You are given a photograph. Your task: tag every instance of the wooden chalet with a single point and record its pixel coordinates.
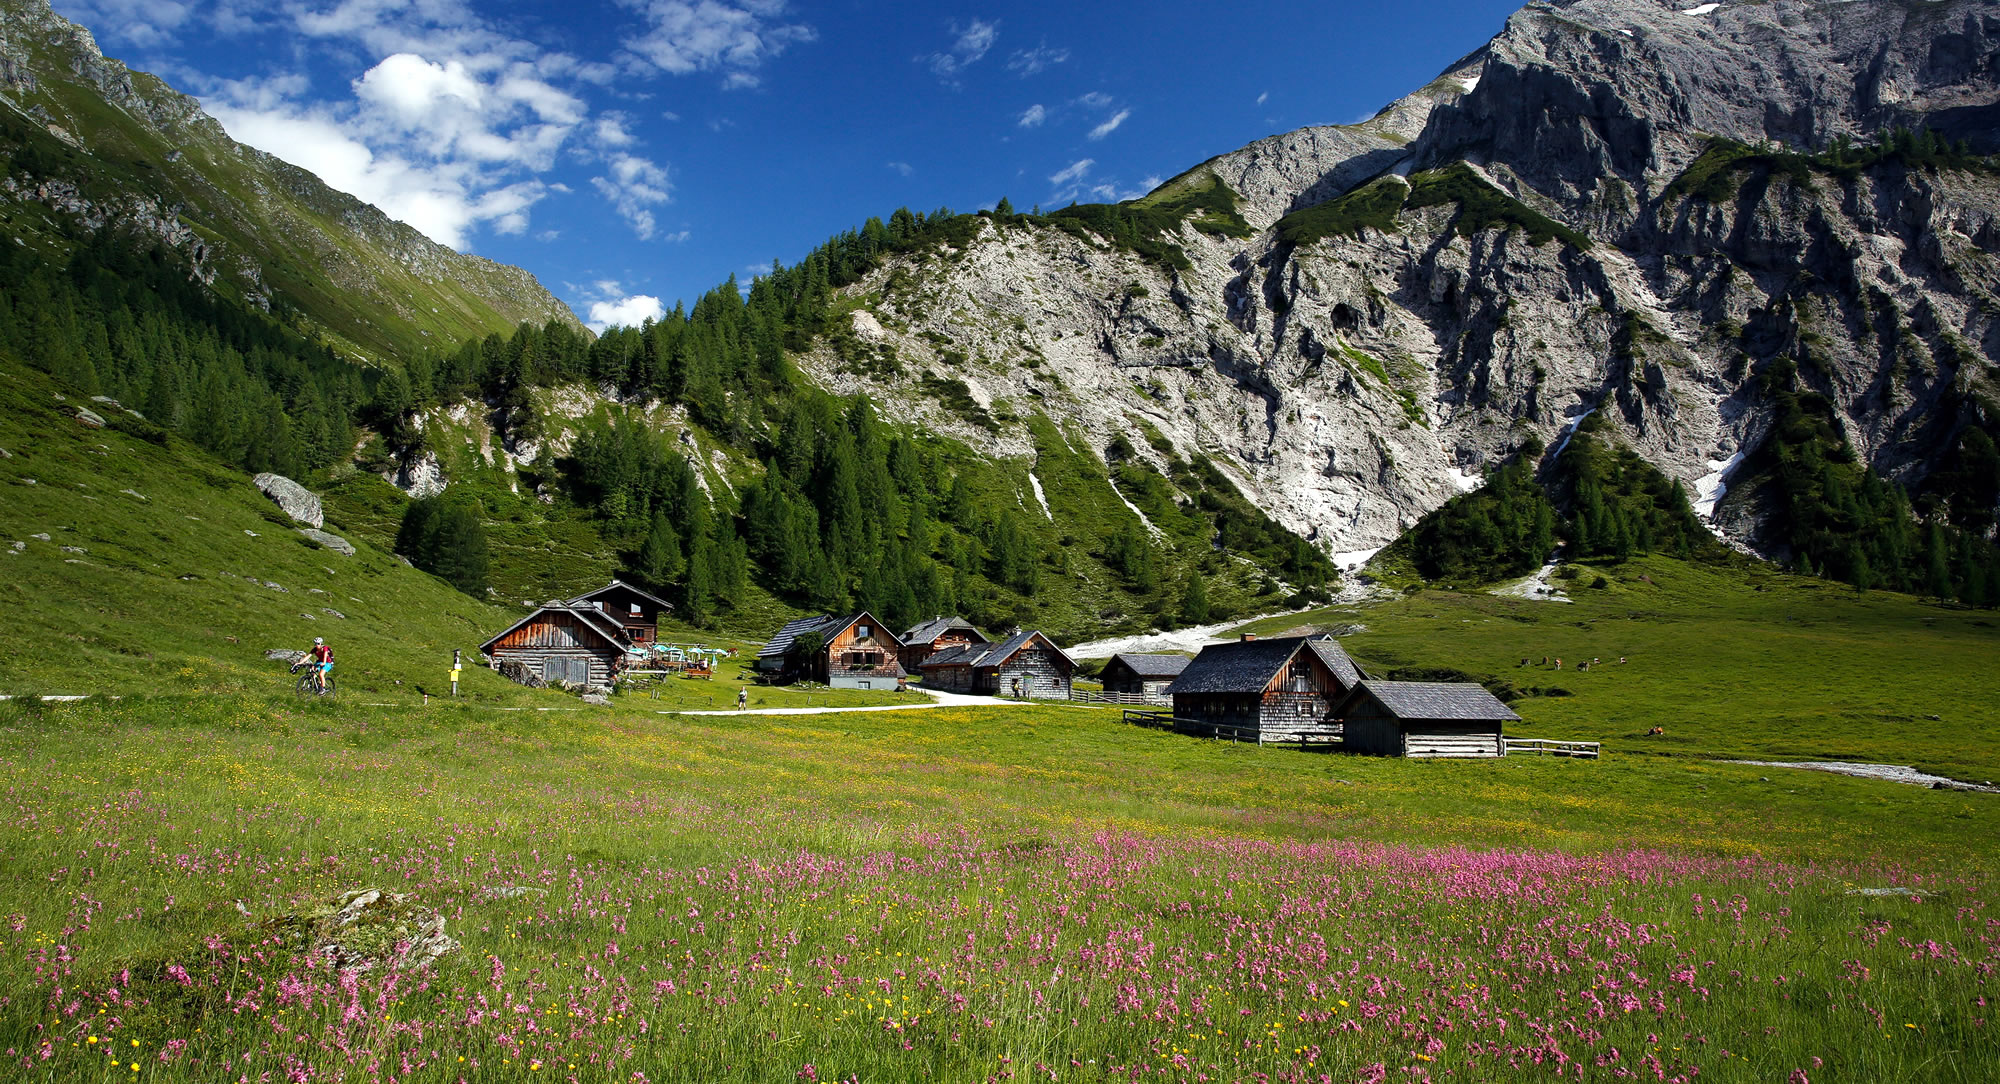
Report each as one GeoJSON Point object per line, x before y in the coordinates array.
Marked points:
{"type": "Point", "coordinates": [938, 634]}
{"type": "Point", "coordinates": [1027, 665]}
{"type": "Point", "coordinates": [1143, 675]}
{"type": "Point", "coordinates": [1264, 689]}
{"type": "Point", "coordinates": [854, 652]}
{"type": "Point", "coordinates": [585, 640]}
{"type": "Point", "coordinates": [1423, 719]}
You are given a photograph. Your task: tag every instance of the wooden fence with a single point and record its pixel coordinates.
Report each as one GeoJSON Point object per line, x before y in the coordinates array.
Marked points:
{"type": "Point", "coordinates": [1545, 747]}
{"type": "Point", "coordinates": [1088, 696]}
{"type": "Point", "coordinates": [1166, 720]}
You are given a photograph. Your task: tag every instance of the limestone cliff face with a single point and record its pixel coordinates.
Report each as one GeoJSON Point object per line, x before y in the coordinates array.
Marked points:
{"type": "Point", "coordinates": [147, 158]}
{"type": "Point", "coordinates": [1353, 381]}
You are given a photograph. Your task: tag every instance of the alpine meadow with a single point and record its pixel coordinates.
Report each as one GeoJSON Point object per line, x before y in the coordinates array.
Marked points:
{"type": "Point", "coordinates": [1503, 589]}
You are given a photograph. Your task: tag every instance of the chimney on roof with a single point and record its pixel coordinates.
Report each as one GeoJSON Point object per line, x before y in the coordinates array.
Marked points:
{"type": "Point", "coordinates": [1249, 636]}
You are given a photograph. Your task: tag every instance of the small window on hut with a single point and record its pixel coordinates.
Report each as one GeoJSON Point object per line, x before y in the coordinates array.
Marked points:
{"type": "Point", "coordinates": [861, 631]}
{"type": "Point", "coordinates": [635, 609]}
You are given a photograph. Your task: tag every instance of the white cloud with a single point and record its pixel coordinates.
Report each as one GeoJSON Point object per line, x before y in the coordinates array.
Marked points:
{"type": "Point", "coordinates": [1110, 124]}
{"type": "Point", "coordinates": [634, 187]}
{"type": "Point", "coordinates": [624, 312]}
{"type": "Point", "coordinates": [1072, 173]}
{"type": "Point", "coordinates": [903, 168]}
{"type": "Point", "coordinates": [1264, 97]}
{"type": "Point", "coordinates": [1151, 181]}
{"type": "Point", "coordinates": [1096, 99]}
{"type": "Point", "coordinates": [1029, 62]}
{"type": "Point", "coordinates": [688, 36]}
{"type": "Point", "coordinates": [1074, 182]}
{"type": "Point", "coordinates": [1033, 116]}
{"type": "Point", "coordinates": [969, 45]}
{"type": "Point", "coordinates": [609, 131]}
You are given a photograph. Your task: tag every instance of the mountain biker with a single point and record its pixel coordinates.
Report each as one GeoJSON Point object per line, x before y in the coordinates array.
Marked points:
{"type": "Point", "coordinates": [320, 658]}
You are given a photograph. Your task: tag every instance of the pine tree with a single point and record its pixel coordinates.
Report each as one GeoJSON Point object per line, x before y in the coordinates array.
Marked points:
{"type": "Point", "coordinates": [661, 562]}
{"type": "Point", "coordinates": [1194, 599]}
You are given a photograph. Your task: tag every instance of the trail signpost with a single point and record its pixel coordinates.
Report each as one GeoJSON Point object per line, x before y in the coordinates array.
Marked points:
{"type": "Point", "coordinates": [454, 671]}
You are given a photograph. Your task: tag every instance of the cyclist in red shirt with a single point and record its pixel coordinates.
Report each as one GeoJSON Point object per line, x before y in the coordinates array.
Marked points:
{"type": "Point", "coordinates": [320, 658]}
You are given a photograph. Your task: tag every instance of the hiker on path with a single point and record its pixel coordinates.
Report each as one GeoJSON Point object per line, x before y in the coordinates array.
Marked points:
{"type": "Point", "coordinates": [742, 698]}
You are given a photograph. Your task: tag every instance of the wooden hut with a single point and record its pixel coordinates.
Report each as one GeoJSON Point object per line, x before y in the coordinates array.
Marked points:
{"type": "Point", "coordinates": [1143, 675]}
{"type": "Point", "coordinates": [583, 640]}
{"type": "Point", "coordinates": [852, 651]}
{"type": "Point", "coordinates": [1027, 665]}
{"type": "Point", "coordinates": [1423, 719]}
{"type": "Point", "coordinates": [1264, 689]}
{"type": "Point", "coordinates": [937, 634]}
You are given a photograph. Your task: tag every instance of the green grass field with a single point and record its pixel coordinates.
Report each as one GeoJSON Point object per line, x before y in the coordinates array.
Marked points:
{"type": "Point", "coordinates": [990, 893]}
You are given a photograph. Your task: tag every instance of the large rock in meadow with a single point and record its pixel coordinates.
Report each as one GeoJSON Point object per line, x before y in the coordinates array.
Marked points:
{"type": "Point", "coordinates": [298, 502]}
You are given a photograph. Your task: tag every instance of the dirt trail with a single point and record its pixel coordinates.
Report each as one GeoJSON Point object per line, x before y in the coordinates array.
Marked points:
{"type": "Point", "coordinates": [1893, 773]}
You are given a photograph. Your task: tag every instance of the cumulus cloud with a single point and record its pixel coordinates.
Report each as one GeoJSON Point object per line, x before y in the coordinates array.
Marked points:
{"type": "Point", "coordinates": [1096, 99]}
{"type": "Point", "coordinates": [688, 36]}
{"type": "Point", "coordinates": [634, 186]}
{"type": "Point", "coordinates": [970, 44]}
{"type": "Point", "coordinates": [1027, 62]}
{"type": "Point", "coordinates": [623, 312]}
{"type": "Point", "coordinates": [903, 168]}
{"type": "Point", "coordinates": [1110, 124]}
{"type": "Point", "coordinates": [1074, 182]}
{"type": "Point", "coordinates": [1033, 116]}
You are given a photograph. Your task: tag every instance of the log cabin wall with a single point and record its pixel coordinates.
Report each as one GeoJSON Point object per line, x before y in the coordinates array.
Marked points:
{"type": "Point", "coordinates": [862, 655]}
{"type": "Point", "coordinates": [557, 645]}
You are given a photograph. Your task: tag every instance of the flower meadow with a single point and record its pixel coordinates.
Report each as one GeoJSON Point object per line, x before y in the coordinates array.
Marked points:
{"type": "Point", "coordinates": [618, 927]}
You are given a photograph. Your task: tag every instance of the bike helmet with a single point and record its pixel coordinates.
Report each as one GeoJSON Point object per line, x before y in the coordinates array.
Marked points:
{"type": "Point", "coordinates": [317, 641]}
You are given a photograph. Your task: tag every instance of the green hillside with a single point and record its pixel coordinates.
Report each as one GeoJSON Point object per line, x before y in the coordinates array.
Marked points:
{"type": "Point", "coordinates": [87, 140]}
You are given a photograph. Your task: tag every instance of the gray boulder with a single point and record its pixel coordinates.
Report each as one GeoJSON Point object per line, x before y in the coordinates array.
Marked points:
{"type": "Point", "coordinates": [284, 654]}
{"type": "Point", "coordinates": [297, 501]}
{"type": "Point", "coordinates": [598, 699]}
{"type": "Point", "coordinates": [331, 541]}
{"type": "Point", "coordinates": [90, 418]}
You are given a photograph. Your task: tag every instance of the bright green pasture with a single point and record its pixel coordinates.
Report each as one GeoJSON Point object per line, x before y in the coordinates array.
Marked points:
{"type": "Point", "coordinates": [1730, 662]}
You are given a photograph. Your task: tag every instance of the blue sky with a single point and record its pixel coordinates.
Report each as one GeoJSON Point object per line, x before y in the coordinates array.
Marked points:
{"type": "Point", "coordinates": [635, 152]}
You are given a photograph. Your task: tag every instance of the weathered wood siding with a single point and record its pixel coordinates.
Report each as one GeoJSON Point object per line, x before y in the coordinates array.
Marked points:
{"type": "Point", "coordinates": [565, 639]}
{"type": "Point", "coordinates": [1442, 739]}
{"type": "Point", "coordinates": [1370, 733]}
{"type": "Point", "coordinates": [951, 679]}
{"type": "Point", "coordinates": [1298, 699]}
{"type": "Point", "coordinates": [862, 652]}
{"type": "Point", "coordinates": [1041, 673]}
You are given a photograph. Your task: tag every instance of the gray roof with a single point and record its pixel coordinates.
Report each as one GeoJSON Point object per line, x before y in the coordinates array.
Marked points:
{"type": "Point", "coordinates": [1432, 700]}
{"type": "Point", "coordinates": [929, 631]}
{"type": "Point", "coordinates": [781, 641]}
{"type": "Point", "coordinates": [1335, 657]}
{"type": "Point", "coordinates": [1239, 666]}
{"type": "Point", "coordinates": [1154, 666]}
{"type": "Point", "coordinates": [827, 627]}
{"type": "Point", "coordinates": [985, 655]}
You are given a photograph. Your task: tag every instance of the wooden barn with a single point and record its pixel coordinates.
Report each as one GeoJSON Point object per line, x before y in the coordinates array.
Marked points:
{"type": "Point", "coordinates": [852, 652]}
{"type": "Point", "coordinates": [583, 640]}
{"type": "Point", "coordinates": [1026, 665]}
{"type": "Point", "coordinates": [938, 634]}
{"type": "Point", "coordinates": [1143, 675]}
{"type": "Point", "coordinates": [1264, 690]}
{"type": "Point", "coordinates": [1423, 719]}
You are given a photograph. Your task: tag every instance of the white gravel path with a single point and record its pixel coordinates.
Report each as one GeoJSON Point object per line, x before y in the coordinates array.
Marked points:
{"type": "Point", "coordinates": [1893, 773]}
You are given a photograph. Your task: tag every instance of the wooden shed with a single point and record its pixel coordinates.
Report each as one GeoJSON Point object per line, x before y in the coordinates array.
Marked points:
{"type": "Point", "coordinates": [1027, 665]}
{"type": "Point", "coordinates": [584, 640]}
{"type": "Point", "coordinates": [1264, 689]}
{"type": "Point", "coordinates": [1423, 719]}
{"type": "Point", "coordinates": [938, 634]}
{"type": "Point", "coordinates": [1143, 675]}
{"type": "Point", "coordinates": [853, 651]}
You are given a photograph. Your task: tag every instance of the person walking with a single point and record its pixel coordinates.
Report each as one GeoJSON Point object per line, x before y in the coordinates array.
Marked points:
{"type": "Point", "coordinates": [742, 698]}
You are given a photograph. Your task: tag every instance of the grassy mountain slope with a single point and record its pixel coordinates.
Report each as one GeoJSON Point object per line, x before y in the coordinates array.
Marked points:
{"type": "Point", "coordinates": [95, 144]}
{"type": "Point", "coordinates": [155, 578]}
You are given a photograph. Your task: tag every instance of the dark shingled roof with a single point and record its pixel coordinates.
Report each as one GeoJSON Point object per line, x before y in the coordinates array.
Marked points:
{"type": "Point", "coordinates": [929, 631]}
{"type": "Point", "coordinates": [590, 597]}
{"type": "Point", "coordinates": [1240, 666]}
{"type": "Point", "coordinates": [983, 655]}
{"type": "Point", "coordinates": [1335, 657]}
{"type": "Point", "coordinates": [1155, 666]}
{"type": "Point", "coordinates": [781, 641]}
{"type": "Point", "coordinates": [1432, 700]}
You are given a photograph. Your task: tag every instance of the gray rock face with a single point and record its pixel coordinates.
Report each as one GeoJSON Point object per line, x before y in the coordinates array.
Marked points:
{"type": "Point", "coordinates": [420, 478]}
{"type": "Point", "coordinates": [331, 541]}
{"type": "Point", "coordinates": [295, 500]}
{"type": "Point", "coordinates": [1351, 383]}
{"type": "Point", "coordinates": [89, 418]}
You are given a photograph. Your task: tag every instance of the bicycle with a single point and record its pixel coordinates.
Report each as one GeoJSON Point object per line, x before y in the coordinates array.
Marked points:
{"type": "Point", "coordinates": [306, 685]}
